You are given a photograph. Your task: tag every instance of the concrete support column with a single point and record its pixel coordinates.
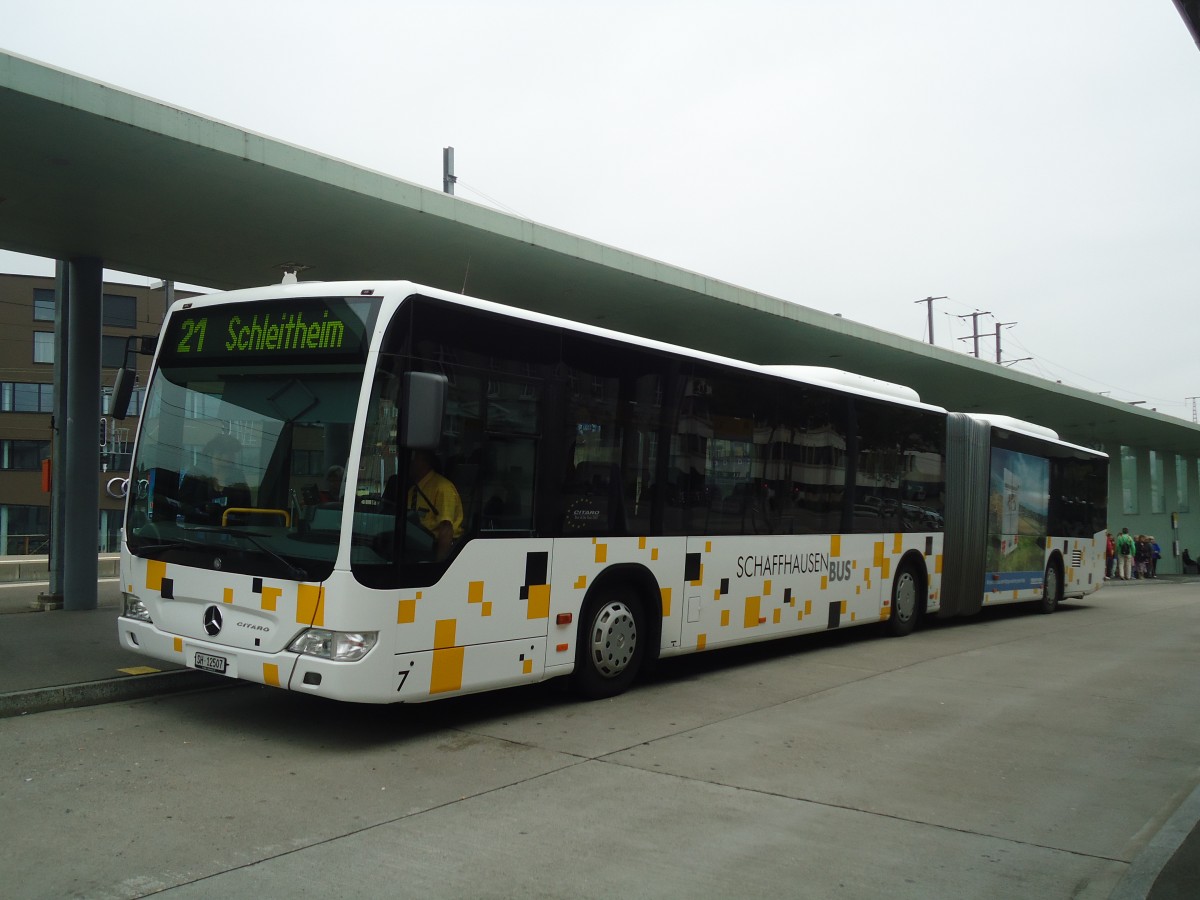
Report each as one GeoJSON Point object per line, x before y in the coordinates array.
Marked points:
{"type": "Point", "coordinates": [52, 599]}
{"type": "Point", "coordinates": [81, 527]}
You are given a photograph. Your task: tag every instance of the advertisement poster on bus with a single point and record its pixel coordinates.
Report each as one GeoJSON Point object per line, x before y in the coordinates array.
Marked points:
{"type": "Point", "coordinates": [1018, 505]}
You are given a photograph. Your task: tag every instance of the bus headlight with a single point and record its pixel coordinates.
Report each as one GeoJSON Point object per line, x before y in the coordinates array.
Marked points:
{"type": "Point", "coordinates": [134, 608]}
{"type": "Point", "coordinates": [340, 646]}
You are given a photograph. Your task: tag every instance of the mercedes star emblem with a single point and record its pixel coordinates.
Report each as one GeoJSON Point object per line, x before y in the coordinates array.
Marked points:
{"type": "Point", "coordinates": [212, 620]}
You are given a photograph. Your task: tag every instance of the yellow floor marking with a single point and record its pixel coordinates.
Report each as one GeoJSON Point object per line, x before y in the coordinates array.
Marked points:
{"type": "Point", "coordinates": [139, 670]}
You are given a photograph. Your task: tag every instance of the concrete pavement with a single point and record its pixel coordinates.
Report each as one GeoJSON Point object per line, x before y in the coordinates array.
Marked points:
{"type": "Point", "coordinates": [53, 660]}
{"type": "Point", "coordinates": [57, 659]}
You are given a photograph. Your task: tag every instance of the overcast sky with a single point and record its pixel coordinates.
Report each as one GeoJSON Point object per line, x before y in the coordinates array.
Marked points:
{"type": "Point", "coordinates": [1036, 159]}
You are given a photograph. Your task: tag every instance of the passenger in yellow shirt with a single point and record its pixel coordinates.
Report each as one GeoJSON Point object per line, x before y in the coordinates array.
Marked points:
{"type": "Point", "coordinates": [436, 502]}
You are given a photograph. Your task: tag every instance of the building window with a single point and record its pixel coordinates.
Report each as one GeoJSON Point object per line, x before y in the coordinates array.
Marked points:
{"type": "Point", "coordinates": [1157, 494]}
{"type": "Point", "coordinates": [24, 530]}
{"type": "Point", "coordinates": [1129, 493]}
{"type": "Point", "coordinates": [43, 304]}
{"type": "Point", "coordinates": [119, 311]}
{"type": "Point", "coordinates": [112, 351]}
{"type": "Point", "coordinates": [1198, 468]}
{"type": "Point", "coordinates": [16, 396]}
{"type": "Point", "coordinates": [23, 455]}
{"type": "Point", "coordinates": [111, 521]}
{"type": "Point", "coordinates": [43, 347]}
{"type": "Point", "coordinates": [1181, 484]}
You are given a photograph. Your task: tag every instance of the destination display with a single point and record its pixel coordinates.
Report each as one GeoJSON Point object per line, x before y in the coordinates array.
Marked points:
{"type": "Point", "coordinates": [326, 328]}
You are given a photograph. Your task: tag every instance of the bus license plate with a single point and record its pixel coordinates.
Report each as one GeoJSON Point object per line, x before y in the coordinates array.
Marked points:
{"type": "Point", "coordinates": [210, 663]}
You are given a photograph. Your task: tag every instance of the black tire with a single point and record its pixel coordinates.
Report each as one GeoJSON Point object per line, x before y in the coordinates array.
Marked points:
{"type": "Point", "coordinates": [611, 644]}
{"type": "Point", "coordinates": [906, 601]}
{"type": "Point", "coordinates": [1052, 589]}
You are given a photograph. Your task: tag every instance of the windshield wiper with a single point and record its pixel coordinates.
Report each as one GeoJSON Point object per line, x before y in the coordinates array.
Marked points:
{"type": "Point", "coordinates": [144, 549]}
{"type": "Point", "coordinates": [293, 570]}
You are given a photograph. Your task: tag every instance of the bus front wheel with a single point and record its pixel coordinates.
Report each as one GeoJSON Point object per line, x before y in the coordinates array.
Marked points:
{"type": "Point", "coordinates": [611, 645]}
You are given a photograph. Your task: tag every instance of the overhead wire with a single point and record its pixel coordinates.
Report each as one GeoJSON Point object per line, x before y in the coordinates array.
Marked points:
{"type": "Point", "coordinates": [490, 199]}
{"type": "Point", "coordinates": [1051, 370]}
{"type": "Point", "coordinates": [1105, 384]}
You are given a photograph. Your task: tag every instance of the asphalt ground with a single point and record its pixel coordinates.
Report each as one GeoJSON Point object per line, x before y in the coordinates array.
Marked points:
{"type": "Point", "coordinates": [58, 659]}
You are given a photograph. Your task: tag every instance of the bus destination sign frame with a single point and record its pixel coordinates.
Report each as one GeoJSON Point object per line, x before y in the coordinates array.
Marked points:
{"type": "Point", "coordinates": [329, 329]}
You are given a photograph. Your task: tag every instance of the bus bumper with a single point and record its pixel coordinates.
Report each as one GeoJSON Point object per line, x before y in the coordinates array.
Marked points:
{"type": "Point", "coordinates": [369, 680]}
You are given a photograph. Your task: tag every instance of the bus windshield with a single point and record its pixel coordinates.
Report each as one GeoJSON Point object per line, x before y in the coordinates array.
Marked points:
{"type": "Point", "coordinates": [244, 462]}
{"type": "Point", "coordinates": [243, 457]}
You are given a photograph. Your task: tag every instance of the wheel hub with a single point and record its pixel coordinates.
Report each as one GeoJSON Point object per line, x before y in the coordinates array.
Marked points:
{"type": "Point", "coordinates": [1052, 584]}
{"type": "Point", "coordinates": [905, 604]}
{"type": "Point", "coordinates": [614, 639]}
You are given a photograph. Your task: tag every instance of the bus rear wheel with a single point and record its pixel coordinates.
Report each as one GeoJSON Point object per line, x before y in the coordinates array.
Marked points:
{"type": "Point", "coordinates": [1051, 589]}
{"type": "Point", "coordinates": [611, 645]}
{"type": "Point", "coordinates": [906, 601]}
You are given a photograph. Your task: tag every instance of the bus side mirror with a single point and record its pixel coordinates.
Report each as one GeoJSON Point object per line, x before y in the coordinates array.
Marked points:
{"type": "Point", "coordinates": [422, 405]}
{"type": "Point", "coordinates": [121, 392]}
{"type": "Point", "coordinates": [127, 375]}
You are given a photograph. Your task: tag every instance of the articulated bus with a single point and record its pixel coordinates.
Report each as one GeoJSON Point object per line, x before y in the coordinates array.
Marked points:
{"type": "Point", "coordinates": [597, 501]}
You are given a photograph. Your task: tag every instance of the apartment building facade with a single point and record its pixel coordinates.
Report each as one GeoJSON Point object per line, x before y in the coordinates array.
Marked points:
{"type": "Point", "coordinates": [27, 370]}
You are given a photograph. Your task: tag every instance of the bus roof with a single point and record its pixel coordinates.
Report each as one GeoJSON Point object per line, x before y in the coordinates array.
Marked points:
{"type": "Point", "coordinates": [842, 378]}
{"type": "Point", "coordinates": [1030, 429]}
{"type": "Point", "coordinates": [818, 376]}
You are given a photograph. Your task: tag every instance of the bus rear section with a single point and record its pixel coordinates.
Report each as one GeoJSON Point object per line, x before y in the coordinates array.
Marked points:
{"type": "Point", "coordinates": [1032, 513]}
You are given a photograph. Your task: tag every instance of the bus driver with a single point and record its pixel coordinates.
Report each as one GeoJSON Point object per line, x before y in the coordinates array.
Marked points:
{"type": "Point", "coordinates": [437, 504]}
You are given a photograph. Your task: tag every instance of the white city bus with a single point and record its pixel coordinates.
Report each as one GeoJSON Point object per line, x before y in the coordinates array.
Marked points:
{"type": "Point", "coordinates": [614, 499]}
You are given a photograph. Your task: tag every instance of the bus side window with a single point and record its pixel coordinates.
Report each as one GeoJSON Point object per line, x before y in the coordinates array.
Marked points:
{"type": "Point", "coordinates": [592, 502]}
{"type": "Point", "coordinates": [506, 496]}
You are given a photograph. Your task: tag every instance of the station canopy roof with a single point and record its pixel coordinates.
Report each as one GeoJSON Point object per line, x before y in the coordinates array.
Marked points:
{"type": "Point", "coordinates": [87, 169]}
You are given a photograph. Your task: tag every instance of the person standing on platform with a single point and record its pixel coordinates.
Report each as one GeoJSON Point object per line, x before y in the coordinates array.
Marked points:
{"type": "Point", "coordinates": [1125, 551]}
